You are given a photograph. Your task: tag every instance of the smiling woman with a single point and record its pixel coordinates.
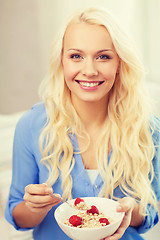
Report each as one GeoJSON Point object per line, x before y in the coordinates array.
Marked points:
{"type": "Point", "coordinates": [93, 66]}
{"type": "Point", "coordinates": [94, 115]}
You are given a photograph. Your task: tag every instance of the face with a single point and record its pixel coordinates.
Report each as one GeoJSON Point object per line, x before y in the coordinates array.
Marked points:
{"type": "Point", "coordinates": [89, 61]}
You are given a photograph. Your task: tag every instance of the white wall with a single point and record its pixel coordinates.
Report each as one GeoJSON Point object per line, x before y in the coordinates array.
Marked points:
{"type": "Point", "coordinates": [28, 28]}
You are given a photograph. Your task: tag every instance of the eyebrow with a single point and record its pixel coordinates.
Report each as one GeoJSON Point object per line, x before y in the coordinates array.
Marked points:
{"type": "Point", "coordinates": [105, 50]}
{"type": "Point", "coordinates": [100, 51]}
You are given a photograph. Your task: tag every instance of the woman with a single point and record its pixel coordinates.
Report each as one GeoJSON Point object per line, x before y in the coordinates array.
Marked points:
{"type": "Point", "coordinates": [93, 121]}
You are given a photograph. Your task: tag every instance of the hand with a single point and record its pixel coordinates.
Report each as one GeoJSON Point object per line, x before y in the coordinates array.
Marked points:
{"type": "Point", "coordinates": [37, 198]}
{"type": "Point", "coordinates": [129, 206]}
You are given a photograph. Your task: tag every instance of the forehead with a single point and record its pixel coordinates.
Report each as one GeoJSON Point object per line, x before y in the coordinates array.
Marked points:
{"type": "Point", "coordinates": [84, 35]}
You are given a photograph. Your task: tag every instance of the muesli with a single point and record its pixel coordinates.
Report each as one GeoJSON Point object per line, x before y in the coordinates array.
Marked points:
{"type": "Point", "coordinates": [91, 218]}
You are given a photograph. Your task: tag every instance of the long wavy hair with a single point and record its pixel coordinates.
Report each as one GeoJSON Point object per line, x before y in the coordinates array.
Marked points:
{"type": "Point", "coordinates": [127, 126]}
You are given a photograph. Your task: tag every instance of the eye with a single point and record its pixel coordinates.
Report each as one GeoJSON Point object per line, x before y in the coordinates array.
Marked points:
{"type": "Point", "coordinates": [75, 56]}
{"type": "Point", "coordinates": [104, 57]}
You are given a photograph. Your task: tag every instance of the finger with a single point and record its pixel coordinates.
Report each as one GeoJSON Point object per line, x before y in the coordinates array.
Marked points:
{"type": "Point", "coordinates": [39, 189]}
{"type": "Point", "coordinates": [40, 199]}
{"type": "Point", "coordinates": [40, 205]}
{"type": "Point", "coordinates": [124, 225]}
{"type": "Point", "coordinates": [44, 209]}
{"type": "Point", "coordinates": [125, 204]}
{"type": "Point", "coordinates": [56, 196]}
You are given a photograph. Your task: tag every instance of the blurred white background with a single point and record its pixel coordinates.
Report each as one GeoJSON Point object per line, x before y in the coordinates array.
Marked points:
{"type": "Point", "coordinates": [28, 28]}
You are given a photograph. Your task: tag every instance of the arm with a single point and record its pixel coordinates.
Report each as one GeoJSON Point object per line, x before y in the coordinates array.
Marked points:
{"type": "Point", "coordinates": [21, 214]}
{"type": "Point", "coordinates": [136, 217]}
{"type": "Point", "coordinates": [25, 171]}
{"type": "Point", "coordinates": [132, 216]}
{"type": "Point", "coordinates": [131, 208]}
{"type": "Point", "coordinates": [37, 203]}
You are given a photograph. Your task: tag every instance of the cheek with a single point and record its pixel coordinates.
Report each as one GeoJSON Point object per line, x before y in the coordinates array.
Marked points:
{"type": "Point", "coordinates": [110, 72]}
{"type": "Point", "coordinates": [69, 72]}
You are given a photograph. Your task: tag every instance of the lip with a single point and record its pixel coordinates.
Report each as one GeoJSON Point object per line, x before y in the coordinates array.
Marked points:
{"type": "Point", "coordinates": [89, 85]}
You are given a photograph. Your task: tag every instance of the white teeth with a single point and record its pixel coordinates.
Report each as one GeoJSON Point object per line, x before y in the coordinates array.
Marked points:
{"type": "Point", "coordinates": [87, 84]}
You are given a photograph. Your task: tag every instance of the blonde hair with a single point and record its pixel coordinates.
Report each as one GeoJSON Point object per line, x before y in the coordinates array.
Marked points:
{"type": "Point", "coordinates": [127, 126]}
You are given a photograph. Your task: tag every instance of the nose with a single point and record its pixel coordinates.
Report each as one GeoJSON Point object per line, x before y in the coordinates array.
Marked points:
{"type": "Point", "coordinates": [89, 68]}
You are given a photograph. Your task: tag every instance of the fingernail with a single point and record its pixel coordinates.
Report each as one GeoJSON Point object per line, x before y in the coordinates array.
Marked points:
{"type": "Point", "coordinates": [119, 208]}
{"type": "Point", "coordinates": [45, 184]}
{"type": "Point", "coordinates": [58, 195]}
{"type": "Point", "coordinates": [48, 190]}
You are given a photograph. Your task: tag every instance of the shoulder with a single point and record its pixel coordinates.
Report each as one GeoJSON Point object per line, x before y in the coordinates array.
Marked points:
{"type": "Point", "coordinates": [155, 128]}
{"type": "Point", "coordinates": [156, 160]}
{"type": "Point", "coordinates": [34, 118]}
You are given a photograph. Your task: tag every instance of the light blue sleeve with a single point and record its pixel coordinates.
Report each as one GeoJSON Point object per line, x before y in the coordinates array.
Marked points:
{"type": "Point", "coordinates": [25, 169]}
{"type": "Point", "coordinates": [152, 217]}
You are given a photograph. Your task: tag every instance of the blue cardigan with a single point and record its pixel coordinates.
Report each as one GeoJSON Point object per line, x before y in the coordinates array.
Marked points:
{"type": "Point", "coordinates": [27, 169]}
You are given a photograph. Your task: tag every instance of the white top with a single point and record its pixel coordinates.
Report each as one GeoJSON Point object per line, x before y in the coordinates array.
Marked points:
{"type": "Point", "coordinates": [92, 174]}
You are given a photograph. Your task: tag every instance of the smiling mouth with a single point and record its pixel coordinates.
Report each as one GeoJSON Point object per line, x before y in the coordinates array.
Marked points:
{"type": "Point", "coordinates": [89, 84]}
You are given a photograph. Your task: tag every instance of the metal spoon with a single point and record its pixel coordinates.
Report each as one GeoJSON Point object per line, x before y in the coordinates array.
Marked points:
{"type": "Point", "coordinates": [60, 198]}
{"type": "Point", "coordinates": [65, 201]}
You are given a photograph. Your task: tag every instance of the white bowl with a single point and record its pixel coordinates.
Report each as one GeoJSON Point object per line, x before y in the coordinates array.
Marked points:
{"type": "Point", "coordinates": [104, 205]}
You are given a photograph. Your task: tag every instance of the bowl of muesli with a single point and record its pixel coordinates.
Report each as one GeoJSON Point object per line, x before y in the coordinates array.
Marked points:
{"type": "Point", "coordinates": [89, 218]}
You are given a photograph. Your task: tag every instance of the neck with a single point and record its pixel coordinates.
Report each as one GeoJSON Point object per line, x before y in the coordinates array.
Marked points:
{"type": "Point", "coordinates": [91, 113]}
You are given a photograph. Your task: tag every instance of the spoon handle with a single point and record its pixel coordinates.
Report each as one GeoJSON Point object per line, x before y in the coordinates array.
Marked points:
{"type": "Point", "coordinates": [60, 198]}
{"type": "Point", "coordinates": [54, 196]}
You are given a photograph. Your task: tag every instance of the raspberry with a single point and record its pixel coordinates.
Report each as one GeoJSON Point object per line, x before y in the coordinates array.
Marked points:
{"type": "Point", "coordinates": [75, 220]}
{"type": "Point", "coordinates": [93, 210]}
{"type": "Point", "coordinates": [104, 220]}
{"type": "Point", "coordinates": [78, 200]}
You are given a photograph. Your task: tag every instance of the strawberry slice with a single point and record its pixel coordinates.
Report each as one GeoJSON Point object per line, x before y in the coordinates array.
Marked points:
{"type": "Point", "coordinates": [93, 210]}
{"type": "Point", "coordinates": [78, 200]}
{"type": "Point", "coordinates": [75, 220]}
{"type": "Point", "coordinates": [104, 220]}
